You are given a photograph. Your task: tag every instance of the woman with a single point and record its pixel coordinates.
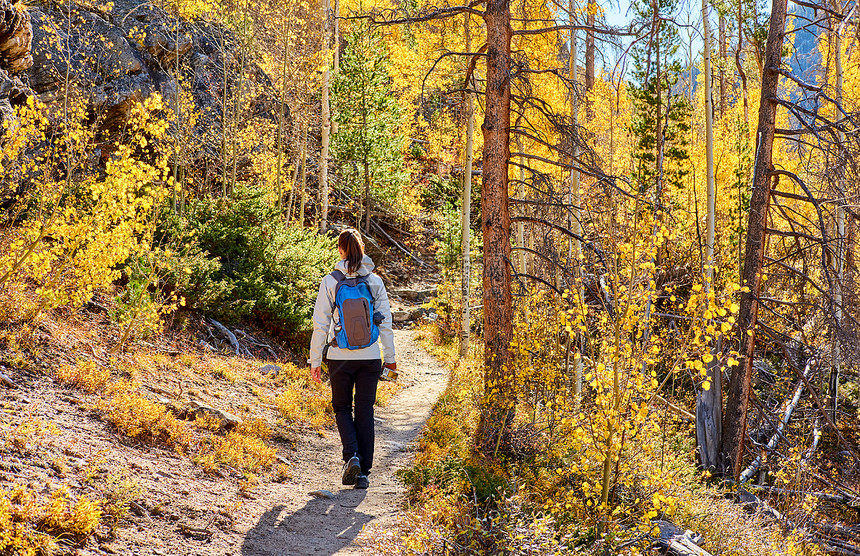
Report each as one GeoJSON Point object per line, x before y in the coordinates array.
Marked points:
{"type": "Point", "coordinates": [352, 369]}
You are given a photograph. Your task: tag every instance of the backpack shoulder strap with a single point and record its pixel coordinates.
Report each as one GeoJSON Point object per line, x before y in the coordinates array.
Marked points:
{"type": "Point", "coordinates": [338, 278]}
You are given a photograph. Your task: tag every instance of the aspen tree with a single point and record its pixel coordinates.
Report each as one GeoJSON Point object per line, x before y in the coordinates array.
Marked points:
{"type": "Point", "coordinates": [178, 182]}
{"type": "Point", "coordinates": [839, 262]}
{"type": "Point", "coordinates": [280, 139]}
{"type": "Point", "coordinates": [225, 107]}
{"type": "Point", "coordinates": [295, 180]}
{"type": "Point", "coordinates": [467, 201]}
{"type": "Point", "coordinates": [722, 64]}
{"type": "Point", "coordinates": [575, 195]}
{"type": "Point", "coordinates": [325, 122]}
{"type": "Point", "coordinates": [740, 65]}
{"type": "Point", "coordinates": [303, 174]}
{"type": "Point", "coordinates": [245, 31]}
{"type": "Point", "coordinates": [336, 65]}
{"type": "Point", "coordinates": [591, 12]}
{"type": "Point", "coordinates": [709, 400]}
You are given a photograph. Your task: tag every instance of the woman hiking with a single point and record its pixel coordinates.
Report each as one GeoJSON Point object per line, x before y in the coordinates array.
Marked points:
{"type": "Point", "coordinates": [352, 316]}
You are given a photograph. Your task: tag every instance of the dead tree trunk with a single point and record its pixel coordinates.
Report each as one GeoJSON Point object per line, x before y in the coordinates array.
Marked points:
{"type": "Point", "coordinates": [499, 380]}
{"type": "Point", "coordinates": [735, 419]}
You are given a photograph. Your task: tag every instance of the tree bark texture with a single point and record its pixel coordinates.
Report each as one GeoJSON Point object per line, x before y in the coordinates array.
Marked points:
{"type": "Point", "coordinates": [500, 377]}
{"type": "Point", "coordinates": [737, 402]}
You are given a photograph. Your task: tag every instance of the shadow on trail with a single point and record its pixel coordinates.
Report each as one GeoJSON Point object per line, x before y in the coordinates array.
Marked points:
{"type": "Point", "coordinates": [322, 527]}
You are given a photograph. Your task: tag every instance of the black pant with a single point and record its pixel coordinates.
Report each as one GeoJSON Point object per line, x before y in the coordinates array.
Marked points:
{"type": "Point", "coordinates": [355, 426]}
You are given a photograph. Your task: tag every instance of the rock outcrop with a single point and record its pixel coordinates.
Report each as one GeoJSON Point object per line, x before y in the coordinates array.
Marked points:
{"type": "Point", "coordinates": [118, 54]}
{"type": "Point", "coordinates": [15, 37]}
{"type": "Point", "coordinates": [15, 56]}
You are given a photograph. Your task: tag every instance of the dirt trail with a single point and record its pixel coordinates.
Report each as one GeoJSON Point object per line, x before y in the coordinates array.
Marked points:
{"type": "Point", "coordinates": [287, 520]}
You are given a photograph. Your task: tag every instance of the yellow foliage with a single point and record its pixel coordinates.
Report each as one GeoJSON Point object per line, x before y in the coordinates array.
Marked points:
{"type": "Point", "coordinates": [244, 453]}
{"type": "Point", "coordinates": [85, 374]}
{"type": "Point", "coordinates": [30, 524]}
{"type": "Point", "coordinates": [82, 228]}
{"type": "Point", "coordinates": [138, 417]}
{"type": "Point", "coordinates": [27, 435]}
{"type": "Point", "coordinates": [306, 405]}
{"type": "Point", "coordinates": [79, 518]}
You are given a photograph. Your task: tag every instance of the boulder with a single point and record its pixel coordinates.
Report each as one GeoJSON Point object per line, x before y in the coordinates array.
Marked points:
{"type": "Point", "coordinates": [269, 369]}
{"type": "Point", "coordinates": [16, 34]}
{"type": "Point", "coordinates": [417, 295]}
{"type": "Point", "coordinates": [400, 316]}
{"type": "Point", "coordinates": [228, 420]}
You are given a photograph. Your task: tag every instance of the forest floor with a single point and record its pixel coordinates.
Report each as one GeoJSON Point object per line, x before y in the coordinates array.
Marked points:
{"type": "Point", "coordinates": [55, 438]}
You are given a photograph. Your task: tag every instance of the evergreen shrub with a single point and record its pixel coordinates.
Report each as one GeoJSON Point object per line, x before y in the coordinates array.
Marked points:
{"type": "Point", "coordinates": [266, 270]}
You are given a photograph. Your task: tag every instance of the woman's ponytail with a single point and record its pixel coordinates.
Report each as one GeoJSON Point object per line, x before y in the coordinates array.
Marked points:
{"type": "Point", "coordinates": [350, 242]}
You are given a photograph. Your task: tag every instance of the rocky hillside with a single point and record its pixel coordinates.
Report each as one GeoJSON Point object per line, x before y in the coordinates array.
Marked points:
{"type": "Point", "coordinates": [112, 55]}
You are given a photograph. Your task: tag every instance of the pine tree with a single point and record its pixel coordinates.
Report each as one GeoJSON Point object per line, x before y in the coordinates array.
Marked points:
{"type": "Point", "coordinates": [367, 146]}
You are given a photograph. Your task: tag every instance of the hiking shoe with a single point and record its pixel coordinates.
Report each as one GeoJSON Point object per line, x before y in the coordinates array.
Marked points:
{"type": "Point", "coordinates": [351, 470]}
{"type": "Point", "coordinates": [361, 481]}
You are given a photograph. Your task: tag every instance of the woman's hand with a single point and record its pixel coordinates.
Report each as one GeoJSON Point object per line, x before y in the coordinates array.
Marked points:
{"type": "Point", "coordinates": [315, 374]}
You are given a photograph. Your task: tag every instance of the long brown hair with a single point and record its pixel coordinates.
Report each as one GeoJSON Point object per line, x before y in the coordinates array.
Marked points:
{"type": "Point", "coordinates": [350, 242]}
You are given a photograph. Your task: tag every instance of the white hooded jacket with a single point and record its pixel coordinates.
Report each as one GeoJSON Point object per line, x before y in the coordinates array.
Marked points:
{"type": "Point", "coordinates": [324, 323]}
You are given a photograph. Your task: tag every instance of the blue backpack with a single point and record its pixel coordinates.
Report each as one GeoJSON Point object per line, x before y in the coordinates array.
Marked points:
{"type": "Point", "coordinates": [356, 325]}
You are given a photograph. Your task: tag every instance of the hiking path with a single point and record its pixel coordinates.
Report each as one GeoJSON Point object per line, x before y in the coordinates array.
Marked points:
{"type": "Point", "coordinates": [286, 519]}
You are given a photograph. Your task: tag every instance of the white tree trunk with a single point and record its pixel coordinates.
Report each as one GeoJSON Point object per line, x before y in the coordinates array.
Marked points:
{"type": "Point", "coordinates": [325, 123]}
{"type": "Point", "coordinates": [303, 175]}
{"type": "Point", "coordinates": [836, 367]}
{"type": "Point", "coordinates": [467, 207]}
{"type": "Point", "coordinates": [336, 34]}
{"type": "Point", "coordinates": [575, 195]}
{"type": "Point", "coordinates": [709, 402]}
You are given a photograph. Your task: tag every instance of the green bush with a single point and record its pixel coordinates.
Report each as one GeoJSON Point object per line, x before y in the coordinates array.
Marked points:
{"type": "Point", "coordinates": [265, 270]}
